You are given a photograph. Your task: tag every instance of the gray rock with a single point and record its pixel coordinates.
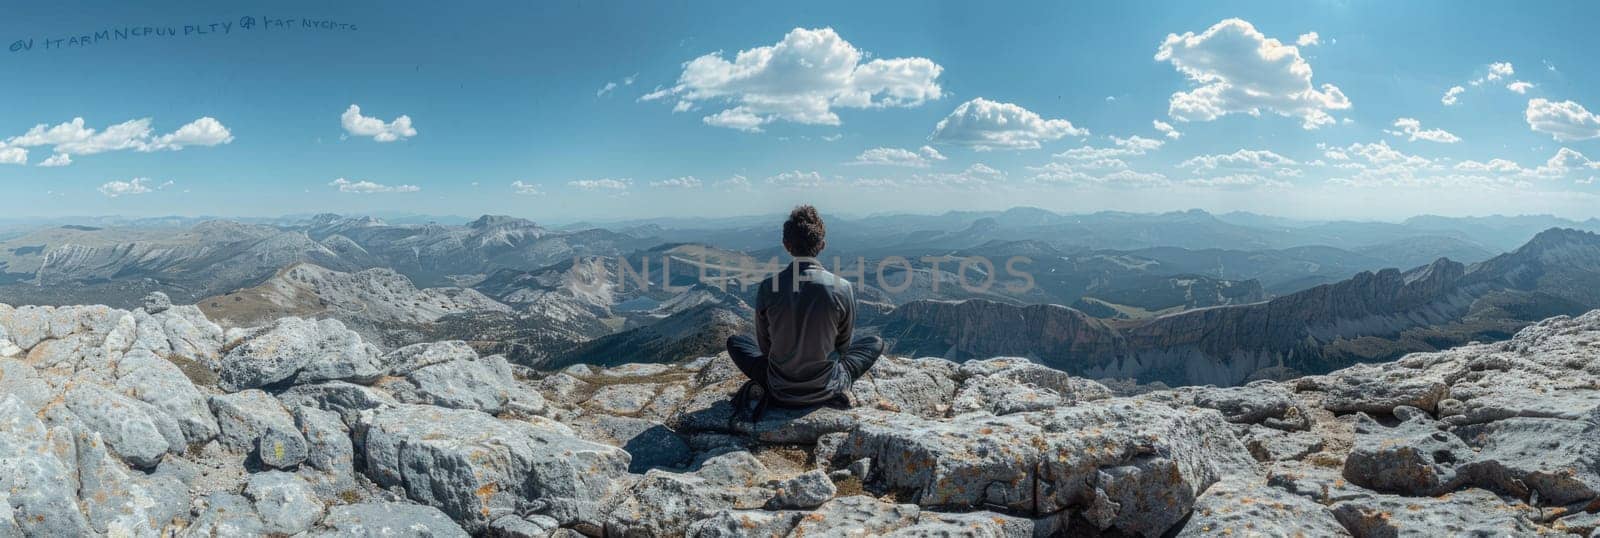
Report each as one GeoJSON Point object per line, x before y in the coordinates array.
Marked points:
{"type": "Point", "coordinates": [1001, 396]}
{"type": "Point", "coordinates": [856, 516]}
{"type": "Point", "coordinates": [806, 491]}
{"type": "Point", "coordinates": [254, 422]}
{"type": "Point", "coordinates": [651, 443]}
{"type": "Point", "coordinates": [513, 526]}
{"type": "Point", "coordinates": [1025, 372]}
{"type": "Point", "coordinates": [1268, 444]}
{"type": "Point", "coordinates": [1262, 402]}
{"type": "Point", "coordinates": [1249, 507]}
{"type": "Point", "coordinates": [1416, 457]}
{"type": "Point", "coordinates": [922, 387]}
{"type": "Point", "coordinates": [478, 468]}
{"type": "Point", "coordinates": [665, 504]}
{"type": "Point", "coordinates": [564, 389]}
{"type": "Point", "coordinates": [123, 503]}
{"type": "Point", "coordinates": [484, 384]}
{"type": "Point", "coordinates": [156, 303]}
{"type": "Point", "coordinates": [1376, 389]}
{"type": "Point", "coordinates": [405, 360]}
{"type": "Point", "coordinates": [621, 400]}
{"type": "Point", "coordinates": [226, 514]}
{"type": "Point", "coordinates": [1470, 512]}
{"type": "Point", "coordinates": [827, 447]}
{"type": "Point", "coordinates": [388, 520]}
{"type": "Point", "coordinates": [284, 502]}
{"type": "Point", "coordinates": [329, 453]}
{"type": "Point", "coordinates": [1559, 460]}
{"type": "Point", "coordinates": [304, 351]}
{"type": "Point", "coordinates": [745, 524]}
{"type": "Point", "coordinates": [346, 399]}
{"type": "Point", "coordinates": [136, 431]}
{"type": "Point", "coordinates": [1136, 465]}
{"type": "Point", "coordinates": [40, 478]}
{"type": "Point", "coordinates": [162, 384]}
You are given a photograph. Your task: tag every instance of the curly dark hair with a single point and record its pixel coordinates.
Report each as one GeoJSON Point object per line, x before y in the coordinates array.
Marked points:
{"type": "Point", "coordinates": [803, 232]}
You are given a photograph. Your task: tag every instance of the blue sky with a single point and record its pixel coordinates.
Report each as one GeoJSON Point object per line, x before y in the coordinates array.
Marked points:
{"type": "Point", "coordinates": [860, 107]}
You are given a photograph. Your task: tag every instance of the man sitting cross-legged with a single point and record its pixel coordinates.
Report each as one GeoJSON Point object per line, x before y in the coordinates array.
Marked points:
{"type": "Point", "coordinates": [803, 353]}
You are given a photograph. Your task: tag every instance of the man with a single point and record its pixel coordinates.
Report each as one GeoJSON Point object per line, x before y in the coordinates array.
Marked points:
{"type": "Point", "coordinates": [803, 353]}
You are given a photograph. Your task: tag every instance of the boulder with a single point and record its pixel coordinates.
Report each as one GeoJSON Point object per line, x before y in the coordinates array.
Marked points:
{"type": "Point", "coordinates": [120, 502]}
{"type": "Point", "coordinates": [477, 468]}
{"type": "Point", "coordinates": [1250, 507]}
{"type": "Point", "coordinates": [284, 502]}
{"type": "Point", "coordinates": [1470, 512]}
{"type": "Point", "coordinates": [483, 384]}
{"type": "Point", "coordinates": [405, 360]}
{"type": "Point", "coordinates": [136, 431]}
{"type": "Point", "coordinates": [856, 516]}
{"type": "Point", "coordinates": [255, 423]}
{"type": "Point", "coordinates": [1416, 457]}
{"type": "Point", "coordinates": [388, 520]}
{"type": "Point", "coordinates": [41, 474]}
{"type": "Point", "coordinates": [806, 491]}
{"type": "Point", "coordinates": [226, 514]}
{"type": "Point", "coordinates": [163, 385]}
{"type": "Point", "coordinates": [1134, 466]}
{"type": "Point", "coordinates": [299, 350]}
{"type": "Point", "coordinates": [346, 399]}
{"type": "Point", "coordinates": [651, 443]}
{"type": "Point", "coordinates": [329, 453]}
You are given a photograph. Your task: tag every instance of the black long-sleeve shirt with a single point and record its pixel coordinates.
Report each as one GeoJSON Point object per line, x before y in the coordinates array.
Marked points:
{"type": "Point", "coordinates": [803, 326]}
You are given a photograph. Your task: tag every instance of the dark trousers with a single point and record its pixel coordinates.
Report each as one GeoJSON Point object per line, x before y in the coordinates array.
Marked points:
{"type": "Point", "coordinates": [857, 359]}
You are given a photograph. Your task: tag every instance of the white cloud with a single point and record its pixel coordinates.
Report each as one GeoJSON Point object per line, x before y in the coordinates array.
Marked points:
{"type": "Point", "coordinates": [368, 187]}
{"type": "Point", "coordinates": [1166, 129]}
{"type": "Point", "coordinates": [801, 79]}
{"type": "Point", "coordinates": [986, 125]}
{"type": "Point", "coordinates": [612, 86]}
{"type": "Point", "coordinates": [359, 125]}
{"type": "Point", "coordinates": [685, 182]}
{"type": "Point", "coordinates": [1497, 71]}
{"type": "Point", "coordinates": [1238, 182]}
{"type": "Point", "coordinates": [1452, 95]}
{"type": "Point", "coordinates": [1412, 129]}
{"type": "Point", "coordinates": [1498, 166]}
{"type": "Point", "coordinates": [604, 184]}
{"type": "Point", "coordinates": [1564, 121]}
{"type": "Point", "coordinates": [1242, 159]}
{"type": "Point", "coordinates": [1237, 69]}
{"type": "Point", "coordinates": [1137, 144]}
{"type": "Point", "coordinates": [735, 183]}
{"type": "Point", "coordinates": [75, 138]}
{"type": "Point", "coordinates": [526, 189]}
{"type": "Point", "coordinates": [10, 155]}
{"type": "Point", "coordinates": [1520, 87]}
{"type": "Point", "coordinates": [1075, 174]}
{"type": "Point", "coordinates": [921, 158]}
{"type": "Point", "coordinates": [205, 131]}
{"type": "Point", "coordinates": [1308, 39]}
{"type": "Point", "coordinates": [59, 159]}
{"type": "Point", "coordinates": [797, 180]}
{"type": "Point", "coordinates": [138, 185]}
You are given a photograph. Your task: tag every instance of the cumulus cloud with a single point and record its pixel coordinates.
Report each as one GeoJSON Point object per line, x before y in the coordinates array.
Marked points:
{"type": "Point", "coordinates": [1238, 182]}
{"type": "Point", "coordinates": [796, 179]}
{"type": "Point", "coordinates": [1564, 121]}
{"type": "Point", "coordinates": [369, 187]}
{"type": "Point", "coordinates": [525, 189]}
{"type": "Point", "coordinates": [800, 79]}
{"type": "Point", "coordinates": [735, 183]}
{"type": "Point", "coordinates": [359, 125]}
{"type": "Point", "coordinates": [1237, 69]}
{"type": "Point", "coordinates": [10, 155]}
{"type": "Point", "coordinates": [1412, 129]}
{"type": "Point", "coordinates": [603, 184]}
{"type": "Point", "coordinates": [1452, 95]}
{"type": "Point", "coordinates": [138, 185]}
{"type": "Point", "coordinates": [1241, 159]}
{"type": "Point", "coordinates": [1520, 87]}
{"type": "Point", "coordinates": [1564, 163]}
{"type": "Point", "coordinates": [921, 158]}
{"type": "Point", "coordinates": [76, 138]}
{"type": "Point", "coordinates": [986, 125]}
{"type": "Point", "coordinates": [1308, 39]}
{"type": "Point", "coordinates": [685, 182]}
{"type": "Point", "coordinates": [59, 159]}
{"type": "Point", "coordinates": [1166, 129]}
{"type": "Point", "coordinates": [1073, 173]}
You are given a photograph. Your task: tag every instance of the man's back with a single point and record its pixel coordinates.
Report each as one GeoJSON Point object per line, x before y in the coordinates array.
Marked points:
{"type": "Point", "coordinates": [803, 324]}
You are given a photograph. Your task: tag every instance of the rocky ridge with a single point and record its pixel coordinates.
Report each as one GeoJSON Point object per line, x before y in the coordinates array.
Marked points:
{"type": "Point", "coordinates": [155, 421]}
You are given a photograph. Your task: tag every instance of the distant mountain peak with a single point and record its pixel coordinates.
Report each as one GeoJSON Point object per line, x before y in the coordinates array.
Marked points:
{"type": "Point", "coordinates": [497, 221]}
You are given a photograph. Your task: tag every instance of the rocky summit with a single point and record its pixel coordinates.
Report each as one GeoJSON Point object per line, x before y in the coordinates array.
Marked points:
{"type": "Point", "coordinates": [156, 422]}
